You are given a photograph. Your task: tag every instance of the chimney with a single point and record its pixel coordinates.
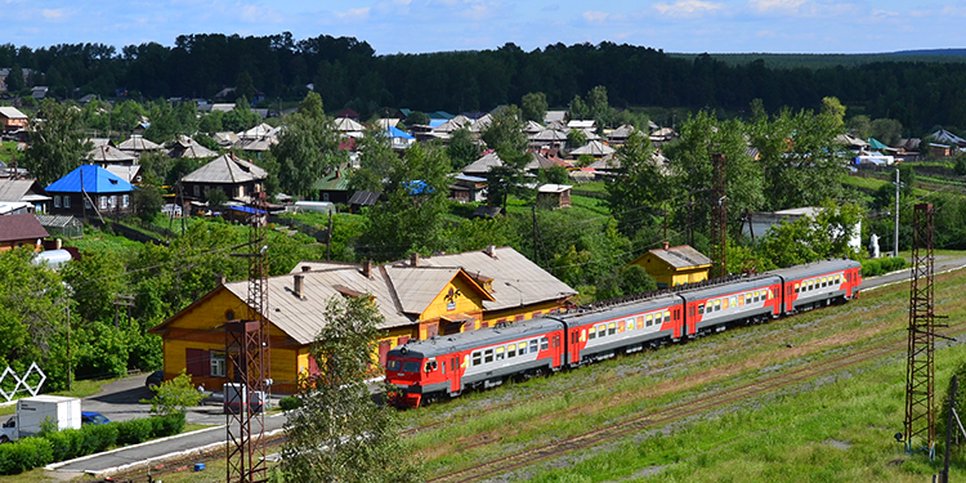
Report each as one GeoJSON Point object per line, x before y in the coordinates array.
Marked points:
{"type": "Point", "coordinates": [414, 260]}
{"type": "Point", "coordinates": [306, 268]}
{"type": "Point", "coordinates": [299, 284]}
{"type": "Point", "coordinates": [666, 245]}
{"type": "Point", "coordinates": [490, 251]}
{"type": "Point", "coordinates": [367, 268]}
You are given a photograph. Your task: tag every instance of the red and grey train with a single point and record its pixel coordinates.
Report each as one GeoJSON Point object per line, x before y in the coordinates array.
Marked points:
{"type": "Point", "coordinates": [446, 366]}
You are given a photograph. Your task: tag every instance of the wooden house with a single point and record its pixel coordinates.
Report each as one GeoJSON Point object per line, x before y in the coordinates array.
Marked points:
{"type": "Point", "coordinates": [554, 195]}
{"type": "Point", "coordinates": [90, 190]}
{"type": "Point", "coordinates": [670, 266]}
{"type": "Point", "coordinates": [11, 119]}
{"type": "Point", "coordinates": [236, 177]}
{"type": "Point", "coordinates": [21, 230]}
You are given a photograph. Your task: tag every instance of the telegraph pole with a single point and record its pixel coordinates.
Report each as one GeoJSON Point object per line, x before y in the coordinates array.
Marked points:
{"type": "Point", "coordinates": [895, 238]}
{"type": "Point", "coordinates": [719, 217]}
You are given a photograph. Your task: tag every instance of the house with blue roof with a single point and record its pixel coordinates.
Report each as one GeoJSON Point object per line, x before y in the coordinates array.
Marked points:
{"type": "Point", "coordinates": [90, 189]}
{"type": "Point", "coordinates": [398, 138]}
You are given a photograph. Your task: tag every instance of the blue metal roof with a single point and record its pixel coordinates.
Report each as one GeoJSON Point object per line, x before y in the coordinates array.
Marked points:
{"type": "Point", "coordinates": [95, 179]}
{"type": "Point", "coordinates": [247, 209]}
{"type": "Point", "coordinates": [437, 122]}
{"type": "Point", "coordinates": [395, 132]}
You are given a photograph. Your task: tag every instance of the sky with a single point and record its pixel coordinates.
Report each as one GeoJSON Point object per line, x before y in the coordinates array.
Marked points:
{"type": "Point", "coordinates": [412, 26]}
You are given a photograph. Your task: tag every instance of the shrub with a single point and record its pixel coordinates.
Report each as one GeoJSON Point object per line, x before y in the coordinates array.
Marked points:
{"type": "Point", "coordinates": [66, 444]}
{"type": "Point", "coordinates": [289, 403]}
{"type": "Point", "coordinates": [871, 267]}
{"type": "Point", "coordinates": [879, 266]}
{"type": "Point", "coordinates": [25, 454]}
{"type": "Point", "coordinates": [98, 437]}
{"type": "Point", "coordinates": [134, 431]}
{"type": "Point", "coordinates": [168, 425]}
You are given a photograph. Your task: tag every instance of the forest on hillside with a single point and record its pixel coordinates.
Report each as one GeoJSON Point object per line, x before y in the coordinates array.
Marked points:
{"type": "Point", "coordinates": [348, 73]}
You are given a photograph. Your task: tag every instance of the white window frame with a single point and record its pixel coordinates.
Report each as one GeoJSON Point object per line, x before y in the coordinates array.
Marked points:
{"type": "Point", "coordinates": [217, 365]}
{"type": "Point", "coordinates": [125, 201]}
{"type": "Point", "coordinates": [66, 201]}
{"type": "Point", "coordinates": [56, 201]}
{"type": "Point", "coordinates": [102, 202]}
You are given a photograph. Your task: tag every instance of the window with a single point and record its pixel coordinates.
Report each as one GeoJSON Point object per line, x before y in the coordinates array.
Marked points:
{"type": "Point", "coordinates": [734, 301]}
{"type": "Point", "coordinates": [217, 360]}
{"type": "Point", "coordinates": [410, 366]}
{"type": "Point", "coordinates": [125, 201]}
{"type": "Point", "coordinates": [511, 350]}
{"type": "Point", "coordinates": [611, 328]}
{"type": "Point", "coordinates": [393, 365]}
{"type": "Point", "coordinates": [533, 345]}
{"type": "Point", "coordinates": [66, 201]}
{"type": "Point", "coordinates": [102, 202]}
{"type": "Point", "coordinates": [544, 343]}
{"type": "Point", "coordinates": [700, 309]}
{"type": "Point", "coordinates": [593, 334]}
{"type": "Point", "coordinates": [640, 322]}
{"type": "Point", "coordinates": [56, 201]}
{"type": "Point", "coordinates": [717, 305]}
{"type": "Point", "coordinates": [477, 358]}
{"type": "Point", "coordinates": [112, 202]}
{"type": "Point", "coordinates": [522, 348]}
{"type": "Point", "coordinates": [499, 353]}
{"type": "Point", "coordinates": [629, 324]}
{"type": "Point", "coordinates": [667, 316]}
{"type": "Point", "coordinates": [197, 190]}
{"type": "Point", "coordinates": [488, 356]}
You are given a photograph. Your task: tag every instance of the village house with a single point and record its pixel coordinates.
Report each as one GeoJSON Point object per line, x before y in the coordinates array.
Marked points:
{"type": "Point", "coordinates": [11, 119]}
{"type": "Point", "coordinates": [21, 230]}
{"type": "Point", "coordinates": [418, 299]}
{"type": "Point", "coordinates": [553, 196]}
{"type": "Point", "coordinates": [670, 266]}
{"type": "Point", "coordinates": [23, 191]}
{"type": "Point", "coordinates": [90, 189]}
{"type": "Point", "coordinates": [236, 177]}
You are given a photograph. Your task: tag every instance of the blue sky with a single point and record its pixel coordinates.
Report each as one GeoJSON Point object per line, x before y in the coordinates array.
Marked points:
{"type": "Point", "coordinates": [390, 26]}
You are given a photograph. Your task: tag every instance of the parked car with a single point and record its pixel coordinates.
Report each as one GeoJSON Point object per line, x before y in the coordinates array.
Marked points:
{"type": "Point", "coordinates": [154, 379]}
{"type": "Point", "coordinates": [93, 417]}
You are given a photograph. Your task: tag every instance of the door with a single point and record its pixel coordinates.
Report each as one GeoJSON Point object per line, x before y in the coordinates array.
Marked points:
{"type": "Point", "coordinates": [384, 346]}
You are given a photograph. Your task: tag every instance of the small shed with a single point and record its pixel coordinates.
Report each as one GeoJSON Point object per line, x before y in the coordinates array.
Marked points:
{"type": "Point", "coordinates": [362, 198]}
{"type": "Point", "coordinates": [670, 266]}
{"type": "Point", "coordinates": [333, 188]}
{"type": "Point", "coordinates": [554, 195]}
{"type": "Point", "coordinates": [62, 226]}
{"type": "Point", "coordinates": [468, 188]}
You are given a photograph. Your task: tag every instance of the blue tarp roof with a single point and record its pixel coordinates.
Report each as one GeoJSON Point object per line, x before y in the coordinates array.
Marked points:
{"type": "Point", "coordinates": [95, 179]}
{"type": "Point", "coordinates": [437, 122]}
{"type": "Point", "coordinates": [247, 209]}
{"type": "Point", "coordinates": [418, 187]}
{"type": "Point", "coordinates": [395, 132]}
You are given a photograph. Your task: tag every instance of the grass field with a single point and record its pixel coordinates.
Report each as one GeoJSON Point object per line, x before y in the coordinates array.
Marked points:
{"type": "Point", "coordinates": [837, 428]}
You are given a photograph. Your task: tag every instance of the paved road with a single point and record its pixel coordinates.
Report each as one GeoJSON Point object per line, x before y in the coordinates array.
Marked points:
{"type": "Point", "coordinates": [942, 263]}
{"type": "Point", "coordinates": [186, 442]}
{"type": "Point", "coordinates": [120, 401]}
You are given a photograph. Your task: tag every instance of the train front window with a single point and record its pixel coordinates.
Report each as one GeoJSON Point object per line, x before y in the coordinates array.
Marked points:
{"type": "Point", "coordinates": [410, 366]}
{"type": "Point", "coordinates": [393, 365]}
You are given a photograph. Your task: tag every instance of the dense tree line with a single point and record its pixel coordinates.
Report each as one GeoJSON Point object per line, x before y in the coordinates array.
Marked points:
{"type": "Point", "coordinates": [347, 72]}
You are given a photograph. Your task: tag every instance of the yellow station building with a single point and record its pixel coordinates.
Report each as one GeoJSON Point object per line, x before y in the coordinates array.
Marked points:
{"type": "Point", "coordinates": [418, 298]}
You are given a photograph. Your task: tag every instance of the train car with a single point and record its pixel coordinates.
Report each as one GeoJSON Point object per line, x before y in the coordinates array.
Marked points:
{"type": "Point", "coordinates": [716, 307]}
{"type": "Point", "coordinates": [821, 283]}
{"type": "Point", "coordinates": [627, 327]}
{"type": "Point", "coordinates": [445, 366]}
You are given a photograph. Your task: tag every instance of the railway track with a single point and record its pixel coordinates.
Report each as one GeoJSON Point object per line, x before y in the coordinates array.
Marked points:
{"type": "Point", "coordinates": [678, 411]}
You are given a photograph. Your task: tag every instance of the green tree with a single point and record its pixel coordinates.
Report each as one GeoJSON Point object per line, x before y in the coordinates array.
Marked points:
{"type": "Point", "coordinates": [505, 135]}
{"type": "Point", "coordinates": [174, 396]}
{"type": "Point", "coordinates": [598, 107]}
{"type": "Point", "coordinates": [462, 148]}
{"type": "Point", "coordinates": [576, 138]}
{"type": "Point", "coordinates": [417, 118]}
{"type": "Point", "coordinates": [55, 146]}
{"type": "Point", "coordinates": [577, 109]}
{"type": "Point", "coordinates": [636, 194]}
{"type": "Point", "coordinates": [307, 148]}
{"type": "Point", "coordinates": [860, 126]}
{"type": "Point", "coordinates": [376, 161]}
{"type": "Point", "coordinates": [889, 131]}
{"type": "Point", "coordinates": [533, 106]}
{"type": "Point", "coordinates": [147, 201]}
{"type": "Point", "coordinates": [241, 117]}
{"type": "Point", "coordinates": [338, 433]}
{"type": "Point", "coordinates": [808, 239]}
{"type": "Point", "coordinates": [15, 81]}
{"type": "Point", "coordinates": [216, 198]}
{"type": "Point", "coordinates": [416, 190]}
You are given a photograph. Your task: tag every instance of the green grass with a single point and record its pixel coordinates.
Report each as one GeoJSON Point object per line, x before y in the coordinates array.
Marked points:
{"type": "Point", "coordinates": [8, 151]}
{"type": "Point", "coordinates": [521, 415]}
{"type": "Point", "coordinates": [95, 240]}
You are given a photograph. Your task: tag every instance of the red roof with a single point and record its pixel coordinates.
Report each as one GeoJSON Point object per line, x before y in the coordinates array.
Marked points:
{"type": "Point", "coordinates": [21, 227]}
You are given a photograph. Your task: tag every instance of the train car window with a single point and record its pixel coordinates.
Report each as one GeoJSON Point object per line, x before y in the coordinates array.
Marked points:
{"type": "Point", "coordinates": [734, 301]}
{"type": "Point", "coordinates": [430, 366]}
{"type": "Point", "coordinates": [601, 330]}
{"type": "Point", "coordinates": [511, 351]}
{"type": "Point", "coordinates": [592, 334]}
{"type": "Point", "coordinates": [629, 324]}
{"type": "Point", "coordinates": [499, 353]}
{"type": "Point", "coordinates": [452, 364]}
{"type": "Point", "coordinates": [477, 358]}
{"type": "Point", "coordinates": [544, 343]}
{"type": "Point", "coordinates": [649, 320]}
{"type": "Point", "coordinates": [717, 305]}
{"type": "Point", "coordinates": [667, 316]}
{"type": "Point", "coordinates": [556, 341]}
{"type": "Point", "coordinates": [522, 348]}
{"type": "Point", "coordinates": [533, 345]}
{"type": "Point", "coordinates": [393, 365]}
{"type": "Point", "coordinates": [701, 309]}
{"type": "Point", "coordinates": [488, 356]}
{"type": "Point", "coordinates": [411, 366]}
{"type": "Point", "coordinates": [640, 322]}
{"type": "Point", "coordinates": [611, 329]}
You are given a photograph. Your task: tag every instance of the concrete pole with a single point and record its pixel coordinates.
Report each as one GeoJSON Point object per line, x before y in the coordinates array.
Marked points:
{"type": "Point", "coordinates": [895, 239]}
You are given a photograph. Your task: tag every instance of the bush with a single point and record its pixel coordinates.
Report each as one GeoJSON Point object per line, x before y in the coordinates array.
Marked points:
{"type": "Point", "coordinates": [25, 454]}
{"type": "Point", "coordinates": [97, 437]}
{"type": "Point", "coordinates": [167, 425]}
{"type": "Point", "coordinates": [134, 431]}
{"type": "Point", "coordinates": [66, 444]}
{"type": "Point", "coordinates": [879, 266]}
{"type": "Point", "coordinates": [289, 403]}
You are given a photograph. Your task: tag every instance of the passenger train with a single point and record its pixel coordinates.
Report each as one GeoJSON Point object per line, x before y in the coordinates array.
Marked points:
{"type": "Point", "coordinates": [446, 366]}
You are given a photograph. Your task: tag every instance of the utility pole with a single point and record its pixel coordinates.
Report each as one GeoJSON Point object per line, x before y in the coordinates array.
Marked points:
{"type": "Point", "coordinates": [920, 419]}
{"type": "Point", "coordinates": [70, 368]}
{"type": "Point", "coordinates": [895, 239]}
{"type": "Point", "coordinates": [719, 216]}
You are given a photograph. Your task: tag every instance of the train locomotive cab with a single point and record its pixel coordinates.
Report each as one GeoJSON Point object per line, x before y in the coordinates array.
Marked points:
{"type": "Point", "coordinates": [412, 375]}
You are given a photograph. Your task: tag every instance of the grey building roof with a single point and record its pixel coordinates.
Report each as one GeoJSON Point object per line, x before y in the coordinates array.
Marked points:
{"type": "Point", "coordinates": [127, 173]}
{"type": "Point", "coordinates": [138, 143]}
{"type": "Point", "coordinates": [185, 147]}
{"type": "Point", "coordinates": [549, 135]}
{"type": "Point", "coordinates": [107, 154]}
{"type": "Point", "coordinates": [681, 256]}
{"type": "Point", "coordinates": [594, 148]}
{"type": "Point", "coordinates": [14, 189]}
{"type": "Point", "coordinates": [484, 164]}
{"type": "Point", "coordinates": [11, 112]}
{"type": "Point", "coordinates": [226, 169]}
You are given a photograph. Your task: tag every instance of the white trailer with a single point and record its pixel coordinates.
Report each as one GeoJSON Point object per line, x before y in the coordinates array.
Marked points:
{"type": "Point", "coordinates": [63, 412]}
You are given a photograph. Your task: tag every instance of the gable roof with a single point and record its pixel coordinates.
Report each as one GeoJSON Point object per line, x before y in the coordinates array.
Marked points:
{"type": "Point", "coordinates": [91, 179]}
{"type": "Point", "coordinates": [127, 173]}
{"type": "Point", "coordinates": [549, 135]}
{"type": "Point", "coordinates": [227, 169]}
{"type": "Point", "coordinates": [11, 112]}
{"type": "Point", "coordinates": [484, 163]}
{"type": "Point", "coordinates": [185, 147]}
{"type": "Point", "coordinates": [138, 143]}
{"type": "Point", "coordinates": [416, 287]}
{"type": "Point", "coordinates": [682, 256]}
{"type": "Point", "coordinates": [14, 189]}
{"type": "Point", "coordinates": [21, 227]}
{"type": "Point", "coordinates": [345, 124]}
{"type": "Point", "coordinates": [593, 148]}
{"type": "Point", "coordinates": [106, 153]}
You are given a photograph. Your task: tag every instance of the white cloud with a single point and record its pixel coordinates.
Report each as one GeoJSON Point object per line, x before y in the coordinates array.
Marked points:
{"type": "Point", "coordinates": [777, 5]}
{"type": "Point", "coordinates": [687, 8]}
{"type": "Point", "coordinates": [53, 13]}
{"type": "Point", "coordinates": [257, 14]}
{"type": "Point", "coordinates": [354, 13]}
{"type": "Point", "coordinates": [594, 16]}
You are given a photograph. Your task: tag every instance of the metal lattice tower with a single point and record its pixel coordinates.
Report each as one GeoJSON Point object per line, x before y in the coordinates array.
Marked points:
{"type": "Point", "coordinates": [247, 349]}
{"type": "Point", "coordinates": [719, 217]}
{"type": "Point", "coordinates": [920, 421]}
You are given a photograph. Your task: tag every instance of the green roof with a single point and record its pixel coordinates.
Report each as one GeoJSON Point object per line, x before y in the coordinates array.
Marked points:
{"type": "Point", "coordinates": [876, 144]}
{"type": "Point", "coordinates": [332, 183]}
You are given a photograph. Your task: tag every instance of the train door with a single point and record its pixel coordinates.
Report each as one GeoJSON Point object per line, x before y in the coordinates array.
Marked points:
{"type": "Point", "coordinates": [577, 337]}
{"type": "Point", "coordinates": [558, 353]}
{"type": "Point", "coordinates": [455, 374]}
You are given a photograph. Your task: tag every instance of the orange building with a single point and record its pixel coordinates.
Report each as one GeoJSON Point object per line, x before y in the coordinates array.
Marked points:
{"type": "Point", "coordinates": [418, 298]}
